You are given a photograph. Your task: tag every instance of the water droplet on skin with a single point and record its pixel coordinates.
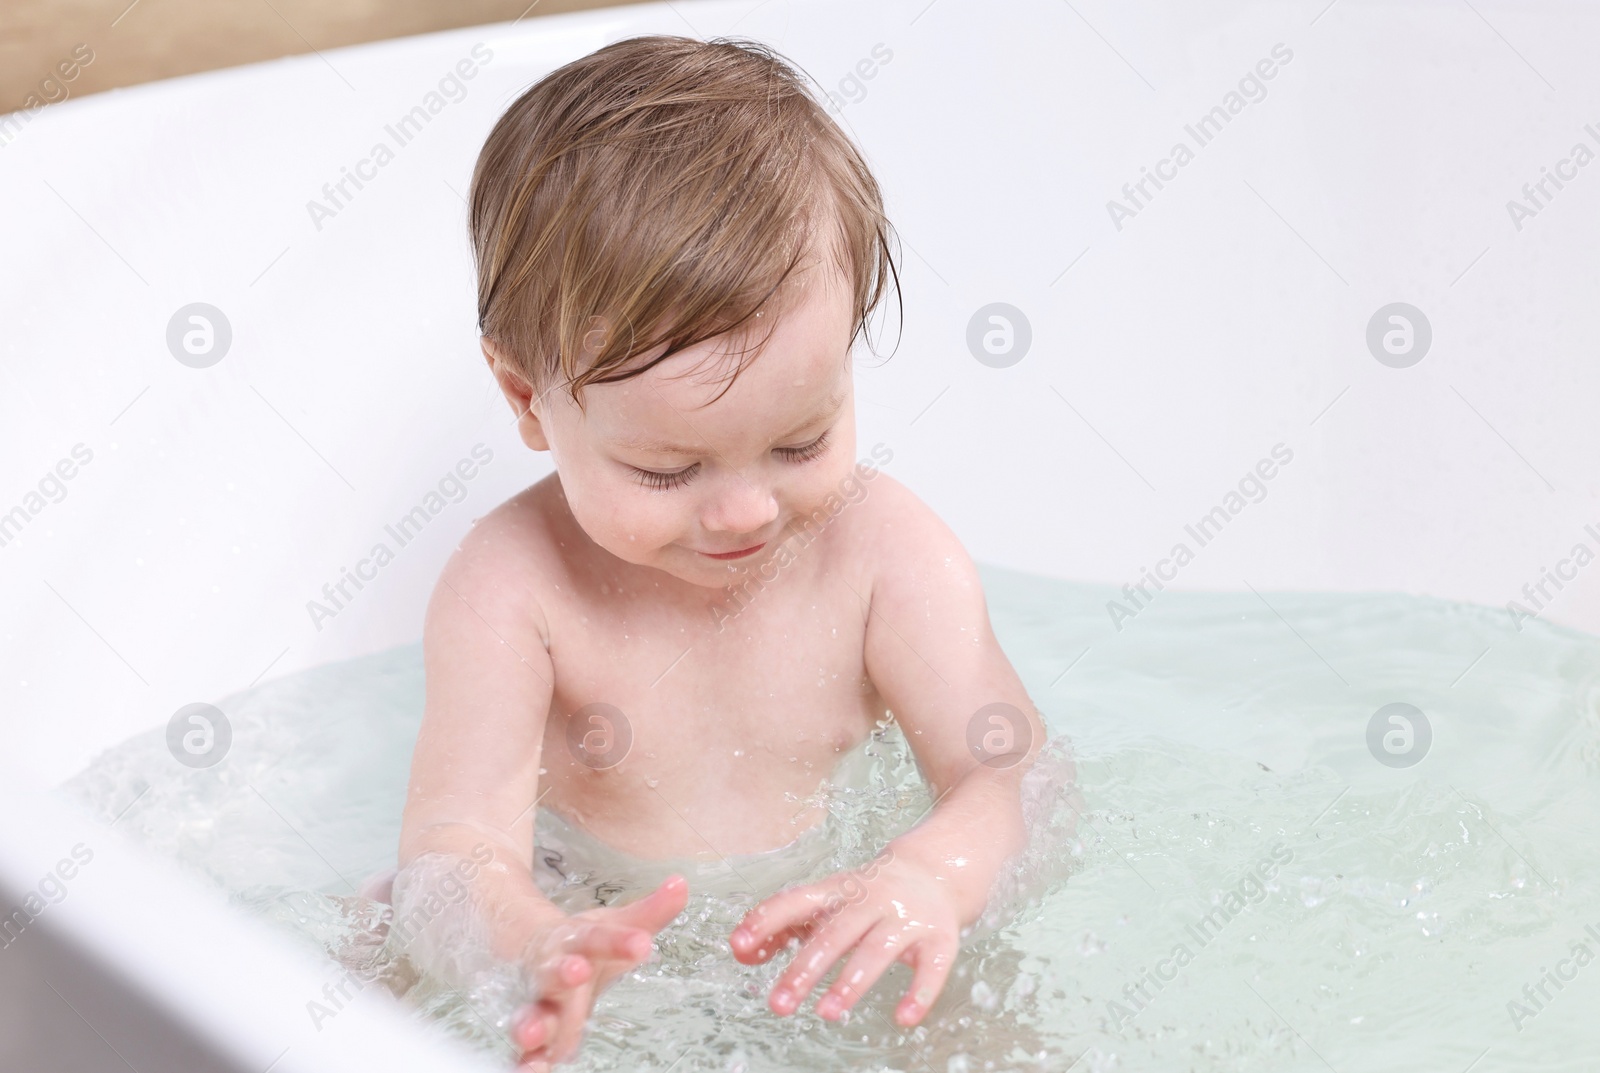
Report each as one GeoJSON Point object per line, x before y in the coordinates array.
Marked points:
{"type": "Point", "coordinates": [652, 783]}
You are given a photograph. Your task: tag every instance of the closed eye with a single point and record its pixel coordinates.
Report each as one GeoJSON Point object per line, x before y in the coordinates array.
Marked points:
{"type": "Point", "coordinates": [658, 481]}
{"type": "Point", "coordinates": [811, 450]}
{"type": "Point", "coordinates": [664, 482]}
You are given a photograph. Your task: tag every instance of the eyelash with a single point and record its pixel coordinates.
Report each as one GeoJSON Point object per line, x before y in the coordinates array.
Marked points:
{"type": "Point", "coordinates": [665, 482]}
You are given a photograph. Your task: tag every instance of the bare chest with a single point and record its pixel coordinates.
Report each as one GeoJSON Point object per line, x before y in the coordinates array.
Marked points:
{"type": "Point", "coordinates": [672, 731]}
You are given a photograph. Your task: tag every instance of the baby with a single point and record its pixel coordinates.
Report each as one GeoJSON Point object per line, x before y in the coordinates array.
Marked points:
{"type": "Point", "coordinates": [667, 640]}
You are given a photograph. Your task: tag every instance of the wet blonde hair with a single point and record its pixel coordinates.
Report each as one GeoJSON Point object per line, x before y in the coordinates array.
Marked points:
{"type": "Point", "coordinates": [662, 190]}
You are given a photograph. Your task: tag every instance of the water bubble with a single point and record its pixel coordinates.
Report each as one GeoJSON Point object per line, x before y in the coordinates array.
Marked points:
{"type": "Point", "coordinates": [984, 997]}
{"type": "Point", "coordinates": [1103, 1063]}
{"type": "Point", "coordinates": [1314, 890]}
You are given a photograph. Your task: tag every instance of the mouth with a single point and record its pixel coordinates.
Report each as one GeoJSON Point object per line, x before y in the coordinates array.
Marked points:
{"type": "Point", "coordinates": [734, 554]}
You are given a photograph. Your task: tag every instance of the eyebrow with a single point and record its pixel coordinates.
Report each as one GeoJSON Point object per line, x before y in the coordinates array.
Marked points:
{"type": "Point", "coordinates": [638, 443]}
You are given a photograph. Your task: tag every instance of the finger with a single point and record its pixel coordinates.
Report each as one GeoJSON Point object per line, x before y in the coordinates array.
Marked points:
{"type": "Point", "coordinates": [561, 973]}
{"type": "Point", "coordinates": [534, 1026]}
{"type": "Point", "coordinates": [878, 949]}
{"type": "Point", "coordinates": [537, 1059]}
{"type": "Point", "coordinates": [569, 1030]}
{"type": "Point", "coordinates": [815, 958]}
{"type": "Point", "coordinates": [657, 909]}
{"type": "Point", "coordinates": [601, 941]}
{"type": "Point", "coordinates": [766, 928]}
{"type": "Point", "coordinates": [932, 959]}
{"type": "Point", "coordinates": [753, 951]}
{"type": "Point", "coordinates": [544, 1051]}
{"type": "Point", "coordinates": [563, 984]}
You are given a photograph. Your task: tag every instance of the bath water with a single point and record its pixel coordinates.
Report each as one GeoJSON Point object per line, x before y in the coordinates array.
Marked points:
{"type": "Point", "coordinates": [1242, 878]}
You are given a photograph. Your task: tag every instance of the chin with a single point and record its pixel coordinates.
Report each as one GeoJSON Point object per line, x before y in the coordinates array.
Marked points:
{"type": "Point", "coordinates": [695, 569]}
{"type": "Point", "coordinates": [711, 574]}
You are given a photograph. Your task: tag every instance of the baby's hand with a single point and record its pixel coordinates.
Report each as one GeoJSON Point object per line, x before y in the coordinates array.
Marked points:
{"type": "Point", "coordinates": [577, 958]}
{"type": "Point", "coordinates": [891, 910]}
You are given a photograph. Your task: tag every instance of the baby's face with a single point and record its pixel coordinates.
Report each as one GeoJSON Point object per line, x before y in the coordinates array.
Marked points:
{"type": "Point", "coordinates": [659, 475]}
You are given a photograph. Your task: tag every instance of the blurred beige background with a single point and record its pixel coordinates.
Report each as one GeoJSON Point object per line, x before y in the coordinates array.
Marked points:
{"type": "Point", "coordinates": [54, 49]}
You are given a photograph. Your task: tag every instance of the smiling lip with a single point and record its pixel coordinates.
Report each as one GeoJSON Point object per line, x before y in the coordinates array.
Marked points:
{"type": "Point", "coordinates": [734, 554]}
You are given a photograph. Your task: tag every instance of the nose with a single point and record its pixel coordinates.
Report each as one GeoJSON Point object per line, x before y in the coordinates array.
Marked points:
{"type": "Point", "coordinates": [739, 504]}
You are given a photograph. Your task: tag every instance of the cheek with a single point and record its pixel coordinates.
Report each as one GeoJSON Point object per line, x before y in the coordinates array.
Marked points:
{"type": "Point", "coordinates": [830, 476]}
{"type": "Point", "coordinates": [642, 523]}
{"type": "Point", "coordinates": [623, 518]}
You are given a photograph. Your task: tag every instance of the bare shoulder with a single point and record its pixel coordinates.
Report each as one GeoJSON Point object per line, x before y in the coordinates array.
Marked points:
{"type": "Point", "coordinates": [902, 539]}
{"type": "Point", "coordinates": [501, 567]}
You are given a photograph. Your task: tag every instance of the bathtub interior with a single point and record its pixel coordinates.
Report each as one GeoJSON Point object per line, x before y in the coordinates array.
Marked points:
{"type": "Point", "coordinates": [128, 962]}
{"type": "Point", "coordinates": [1171, 347]}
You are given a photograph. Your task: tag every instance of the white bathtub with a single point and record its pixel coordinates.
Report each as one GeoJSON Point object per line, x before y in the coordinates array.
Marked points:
{"type": "Point", "coordinates": [1174, 344]}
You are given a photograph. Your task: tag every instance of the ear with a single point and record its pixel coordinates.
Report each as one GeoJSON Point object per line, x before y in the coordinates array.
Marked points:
{"type": "Point", "coordinates": [519, 393]}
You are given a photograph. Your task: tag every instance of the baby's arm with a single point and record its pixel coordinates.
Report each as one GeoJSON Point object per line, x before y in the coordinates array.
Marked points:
{"type": "Point", "coordinates": [475, 771]}
{"type": "Point", "coordinates": [934, 658]}
{"type": "Point", "coordinates": [474, 782]}
{"type": "Point", "coordinates": [932, 653]}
